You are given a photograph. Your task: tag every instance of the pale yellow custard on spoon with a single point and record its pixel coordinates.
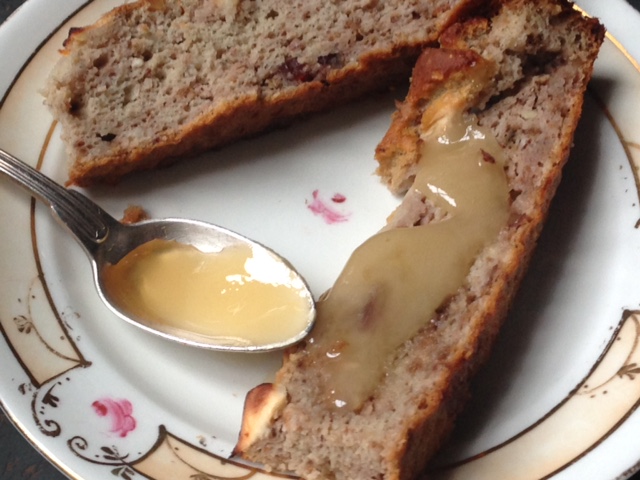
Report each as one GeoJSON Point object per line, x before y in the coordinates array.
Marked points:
{"type": "Point", "coordinates": [229, 295]}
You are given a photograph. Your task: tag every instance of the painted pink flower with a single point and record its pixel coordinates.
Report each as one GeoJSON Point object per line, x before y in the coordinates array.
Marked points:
{"type": "Point", "coordinates": [120, 413]}
{"type": "Point", "coordinates": [330, 215]}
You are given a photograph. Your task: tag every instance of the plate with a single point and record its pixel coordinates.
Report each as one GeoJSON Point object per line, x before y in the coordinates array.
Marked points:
{"type": "Point", "coordinates": [102, 399]}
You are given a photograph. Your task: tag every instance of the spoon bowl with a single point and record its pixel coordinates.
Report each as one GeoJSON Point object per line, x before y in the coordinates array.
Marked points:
{"type": "Point", "coordinates": [108, 241]}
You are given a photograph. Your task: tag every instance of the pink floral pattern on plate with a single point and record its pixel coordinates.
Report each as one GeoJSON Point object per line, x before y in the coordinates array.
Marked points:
{"type": "Point", "coordinates": [119, 411]}
{"type": "Point", "coordinates": [329, 213]}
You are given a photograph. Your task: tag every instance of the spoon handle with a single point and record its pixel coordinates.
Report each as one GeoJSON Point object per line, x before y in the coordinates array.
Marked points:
{"type": "Point", "coordinates": [87, 221]}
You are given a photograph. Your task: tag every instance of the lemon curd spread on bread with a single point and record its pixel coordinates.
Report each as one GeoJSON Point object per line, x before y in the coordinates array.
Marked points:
{"type": "Point", "coordinates": [515, 73]}
{"type": "Point", "coordinates": [395, 282]}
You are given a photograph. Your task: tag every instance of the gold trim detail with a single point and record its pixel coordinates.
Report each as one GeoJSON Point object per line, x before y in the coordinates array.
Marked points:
{"type": "Point", "coordinates": [169, 459]}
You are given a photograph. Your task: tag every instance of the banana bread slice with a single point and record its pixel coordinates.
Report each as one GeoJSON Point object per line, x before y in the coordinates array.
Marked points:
{"type": "Point", "coordinates": [155, 80]}
{"type": "Point", "coordinates": [520, 69]}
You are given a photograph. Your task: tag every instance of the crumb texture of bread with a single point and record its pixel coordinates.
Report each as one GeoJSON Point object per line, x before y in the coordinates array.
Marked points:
{"type": "Point", "coordinates": [155, 80]}
{"type": "Point", "coordinates": [540, 56]}
{"type": "Point", "coordinates": [134, 214]}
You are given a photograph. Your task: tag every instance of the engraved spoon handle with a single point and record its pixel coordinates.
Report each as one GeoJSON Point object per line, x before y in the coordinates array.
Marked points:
{"type": "Point", "coordinates": [89, 223]}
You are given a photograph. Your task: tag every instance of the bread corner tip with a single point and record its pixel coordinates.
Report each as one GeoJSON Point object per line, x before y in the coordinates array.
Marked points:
{"type": "Point", "coordinates": [262, 405]}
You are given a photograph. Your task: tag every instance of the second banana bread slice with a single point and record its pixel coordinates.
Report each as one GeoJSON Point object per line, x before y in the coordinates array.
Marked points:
{"type": "Point", "coordinates": [375, 390]}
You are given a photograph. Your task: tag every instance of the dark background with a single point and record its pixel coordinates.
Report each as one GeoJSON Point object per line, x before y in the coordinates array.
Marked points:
{"type": "Point", "coordinates": [18, 459]}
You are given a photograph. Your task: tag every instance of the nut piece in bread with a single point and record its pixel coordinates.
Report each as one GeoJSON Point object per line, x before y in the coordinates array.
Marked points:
{"type": "Point", "coordinates": [543, 54]}
{"type": "Point", "coordinates": [156, 80]}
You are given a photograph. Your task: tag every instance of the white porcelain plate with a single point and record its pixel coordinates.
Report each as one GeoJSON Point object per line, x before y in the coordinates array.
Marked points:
{"type": "Point", "coordinates": [102, 399]}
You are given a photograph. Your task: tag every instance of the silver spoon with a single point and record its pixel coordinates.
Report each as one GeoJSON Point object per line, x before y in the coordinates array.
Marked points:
{"type": "Point", "coordinates": [107, 241]}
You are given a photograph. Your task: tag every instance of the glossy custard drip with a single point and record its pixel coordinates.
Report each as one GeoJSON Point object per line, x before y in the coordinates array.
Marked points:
{"type": "Point", "coordinates": [394, 282]}
{"type": "Point", "coordinates": [237, 295]}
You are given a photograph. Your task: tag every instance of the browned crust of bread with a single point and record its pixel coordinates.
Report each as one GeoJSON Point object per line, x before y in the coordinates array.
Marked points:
{"type": "Point", "coordinates": [415, 407]}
